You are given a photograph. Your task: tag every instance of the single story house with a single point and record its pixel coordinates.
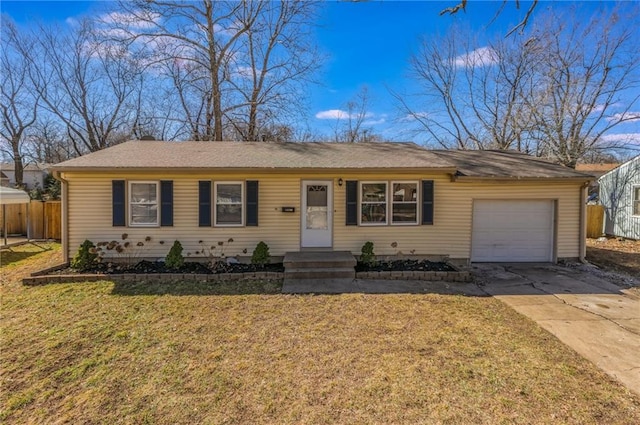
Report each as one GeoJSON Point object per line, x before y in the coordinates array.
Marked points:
{"type": "Point", "coordinates": [620, 196]}
{"type": "Point", "coordinates": [32, 176]}
{"type": "Point", "coordinates": [466, 205]}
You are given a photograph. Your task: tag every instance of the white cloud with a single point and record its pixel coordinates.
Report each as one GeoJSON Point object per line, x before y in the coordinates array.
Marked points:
{"type": "Point", "coordinates": [133, 20]}
{"type": "Point", "coordinates": [414, 116]}
{"type": "Point", "coordinates": [625, 116]}
{"type": "Point", "coordinates": [626, 138]}
{"type": "Point", "coordinates": [337, 114]}
{"type": "Point", "coordinates": [374, 122]}
{"type": "Point", "coordinates": [483, 56]}
{"type": "Point", "coordinates": [72, 22]}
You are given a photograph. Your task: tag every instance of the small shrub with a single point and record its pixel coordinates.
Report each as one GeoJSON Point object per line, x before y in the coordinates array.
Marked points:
{"type": "Point", "coordinates": [86, 257]}
{"type": "Point", "coordinates": [367, 256]}
{"type": "Point", "coordinates": [174, 259]}
{"type": "Point", "coordinates": [261, 254]}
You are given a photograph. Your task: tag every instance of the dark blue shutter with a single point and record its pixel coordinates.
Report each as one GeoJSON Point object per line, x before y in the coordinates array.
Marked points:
{"type": "Point", "coordinates": [427, 201]}
{"type": "Point", "coordinates": [204, 204]}
{"type": "Point", "coordinates": [166, 203]}
{"type": "Point", "coordinates": [251, 218]}
{"type": "Point", "coordinates": [352, 203]}
{"type": "Point", "coordinates": [118, 204]}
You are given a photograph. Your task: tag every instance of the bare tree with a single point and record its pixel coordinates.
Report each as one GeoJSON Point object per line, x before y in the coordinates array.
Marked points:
{"type": "Point", "coordinates": [88, 86]}
{"type": "Point", "coordinates": [520, 26]}
{"type": "Point", "coordinates": [18, 103]}
{"type": "Point", "coordinates": [554, 91]}
{"type": "Point", "coordinates": [578, 97]}
{"type": "Point", "coordinates": [231, 63]}
{"type": "Point", "coordinates": [475, 94]}
{"type": "Point", "coordinates": [351, 123]}
{"type": "Point", "coordinates": [46, 141]}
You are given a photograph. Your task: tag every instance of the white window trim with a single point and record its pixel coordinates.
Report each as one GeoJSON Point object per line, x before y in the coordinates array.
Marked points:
{"type": "Point", "coordinates": [129, 203]}
{"type": "Point", "coordinates": [360, 203]}
{"type": "Point", "coordinates": [243, 203]}
{"type": "Point", "coordinates": [634, 188]}
{"type": "Point", "coordinates": [417, 203]}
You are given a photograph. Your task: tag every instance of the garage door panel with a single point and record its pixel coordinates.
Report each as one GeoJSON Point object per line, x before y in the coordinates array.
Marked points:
{"type": "Point", "coordinates": [512, 231]}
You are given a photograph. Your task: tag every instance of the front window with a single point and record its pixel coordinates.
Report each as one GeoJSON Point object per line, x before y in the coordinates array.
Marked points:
{"type": "Point", "coordinates": [143, 204]}
{"type": "Point", "coordinates": [405, 203]}
{"type": "Point", "coordinates": [636, 200]}
{"type": "Point", "coordinates": [229, 196]}
{"type": "Point", "coordinates": [373, 203]}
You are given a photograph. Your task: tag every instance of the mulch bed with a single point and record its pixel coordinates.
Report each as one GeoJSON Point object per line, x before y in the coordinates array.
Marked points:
{"type": "Point", "coordinates": [405, 265]}
{"type": "Point", "coordinates": [188, 268]}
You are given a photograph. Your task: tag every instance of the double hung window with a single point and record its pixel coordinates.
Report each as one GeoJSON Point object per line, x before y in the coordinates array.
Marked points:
{"type": "Point", "coordinates": [229, 203]}
{"type": "Point", "coordinates": [393, 203]}
{"type": "Point", "coordinates": [143, 203]}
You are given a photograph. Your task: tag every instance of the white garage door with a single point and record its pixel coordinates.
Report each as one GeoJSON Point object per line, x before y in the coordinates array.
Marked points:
{"type": "Point", "coordinates": [512, 231]}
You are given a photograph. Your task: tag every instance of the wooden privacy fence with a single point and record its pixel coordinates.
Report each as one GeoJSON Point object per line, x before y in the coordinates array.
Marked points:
{"type": "Point", "coordinates": [595, 220]}
{"type": "Point", "coordinates": [45, 219]}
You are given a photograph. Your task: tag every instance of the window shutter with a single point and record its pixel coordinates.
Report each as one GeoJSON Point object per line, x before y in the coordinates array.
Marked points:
{"type": "Point", "coordinates": [119, 217]}
{"type": "Point", "coordinates": [352, 203]}
{"type": "Point", "coordinates": [251, 218]}
{"type": "Point", "coordinates": [427, 201]}
{"type": "Point", "coordinates": [166, 203]}
{"type": "Point", "coordinates": [204, 204]}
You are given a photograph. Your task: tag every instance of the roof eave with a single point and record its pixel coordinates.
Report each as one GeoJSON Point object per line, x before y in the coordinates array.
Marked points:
{"type": "Point", "coordinates": [443, 170]}
{"type": "Point", "coordinates": [576, 179]}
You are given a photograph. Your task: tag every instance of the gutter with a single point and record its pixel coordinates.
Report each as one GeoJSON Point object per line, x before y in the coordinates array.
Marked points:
{"type": "Point", "coordinates": [65, 214]}
{"type": "Point", "coordinates": [279, 170]}
{"type": "Point", "coordinates": [485, 179]}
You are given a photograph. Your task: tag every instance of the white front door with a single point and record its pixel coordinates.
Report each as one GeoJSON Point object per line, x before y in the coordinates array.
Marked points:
{"type": "Point", "coordinates": [317, 214]}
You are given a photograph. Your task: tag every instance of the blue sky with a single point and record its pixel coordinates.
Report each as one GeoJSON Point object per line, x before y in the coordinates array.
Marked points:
{"type": "Point", "coordinates": [366, 43]}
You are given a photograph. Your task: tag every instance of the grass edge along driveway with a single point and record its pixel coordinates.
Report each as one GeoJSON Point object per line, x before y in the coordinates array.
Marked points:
{"type": "Point", "coordinates": [103, 353]}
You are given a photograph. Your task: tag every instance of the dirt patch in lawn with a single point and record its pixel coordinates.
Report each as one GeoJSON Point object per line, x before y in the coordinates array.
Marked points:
{"type": "Point", "coordinates": [619, 255]}
{"type": "Point", "coordinates": [82, 353]}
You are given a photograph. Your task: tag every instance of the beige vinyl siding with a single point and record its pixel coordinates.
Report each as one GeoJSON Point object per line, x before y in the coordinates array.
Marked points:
{"type": "Point", "coordinates": [90, 216]}
{"type": "Point", "coordinates": [451, 232]}
{"type": "Point", "coordinates": [89, 204]}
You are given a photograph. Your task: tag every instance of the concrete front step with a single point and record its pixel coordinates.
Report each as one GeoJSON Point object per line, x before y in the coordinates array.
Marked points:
{"type": "Point", "coordinates": [319, 265]}
{"type": "Point", "coordinates": [319, 259]}
{"type": "Point", "coordinates": [320, 273]}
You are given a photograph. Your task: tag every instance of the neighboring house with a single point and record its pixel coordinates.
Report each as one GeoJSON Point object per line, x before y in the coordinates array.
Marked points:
{"type": "Point", "coordinates": [33, 174]}
{"type": "Point", "coordinates": [4, 180]}
{"type": "Point", "coordinates": [595, 170]}
{"type": "Point", "coordinates": [620, 195]}
{"type": "Point", "coordinates": [467, 205]}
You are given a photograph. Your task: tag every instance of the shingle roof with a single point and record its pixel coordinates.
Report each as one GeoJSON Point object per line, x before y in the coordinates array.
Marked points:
{"type": "Point", "coordinates": [10, 166]}
{"type": "Point", "coordinates": [506, 164]}
{"type": "Point", "coordinates": [265, 155]}
{"type": "Point", "coordinates": [596, 168]}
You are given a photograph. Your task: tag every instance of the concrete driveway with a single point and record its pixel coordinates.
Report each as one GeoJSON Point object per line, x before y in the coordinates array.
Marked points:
{"type": "Point", "coordinates": [598, 319]}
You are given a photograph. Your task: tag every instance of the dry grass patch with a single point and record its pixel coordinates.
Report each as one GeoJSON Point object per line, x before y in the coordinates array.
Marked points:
{"type": "Point", "coordinates": [619, 255]}
{"type": "Point", "coordinates": [97, 353]}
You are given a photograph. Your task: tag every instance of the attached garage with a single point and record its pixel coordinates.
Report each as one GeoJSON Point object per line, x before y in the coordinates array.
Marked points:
{"type": "Point", "coordinates": [512, 231]}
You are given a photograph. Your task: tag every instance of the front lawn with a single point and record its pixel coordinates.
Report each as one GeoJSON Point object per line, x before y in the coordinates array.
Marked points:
{"type": "Point", "coordinates": [105, 353]}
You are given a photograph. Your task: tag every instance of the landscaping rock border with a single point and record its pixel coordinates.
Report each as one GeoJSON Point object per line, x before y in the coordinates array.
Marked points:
{"type": "Point", "coordinates": [42, 277]}
{"type": "Point", "coordinates": [151, 277]}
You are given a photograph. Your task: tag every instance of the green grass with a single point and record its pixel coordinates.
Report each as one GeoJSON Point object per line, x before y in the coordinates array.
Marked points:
{"type": "Point", "coordinates": [170, 354]}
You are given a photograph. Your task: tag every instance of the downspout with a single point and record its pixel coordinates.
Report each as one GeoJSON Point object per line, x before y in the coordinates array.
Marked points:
{"type": "Point", "coordinates": [65, 215]}
{"type": "Point", "coordinates": [583, 222]}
